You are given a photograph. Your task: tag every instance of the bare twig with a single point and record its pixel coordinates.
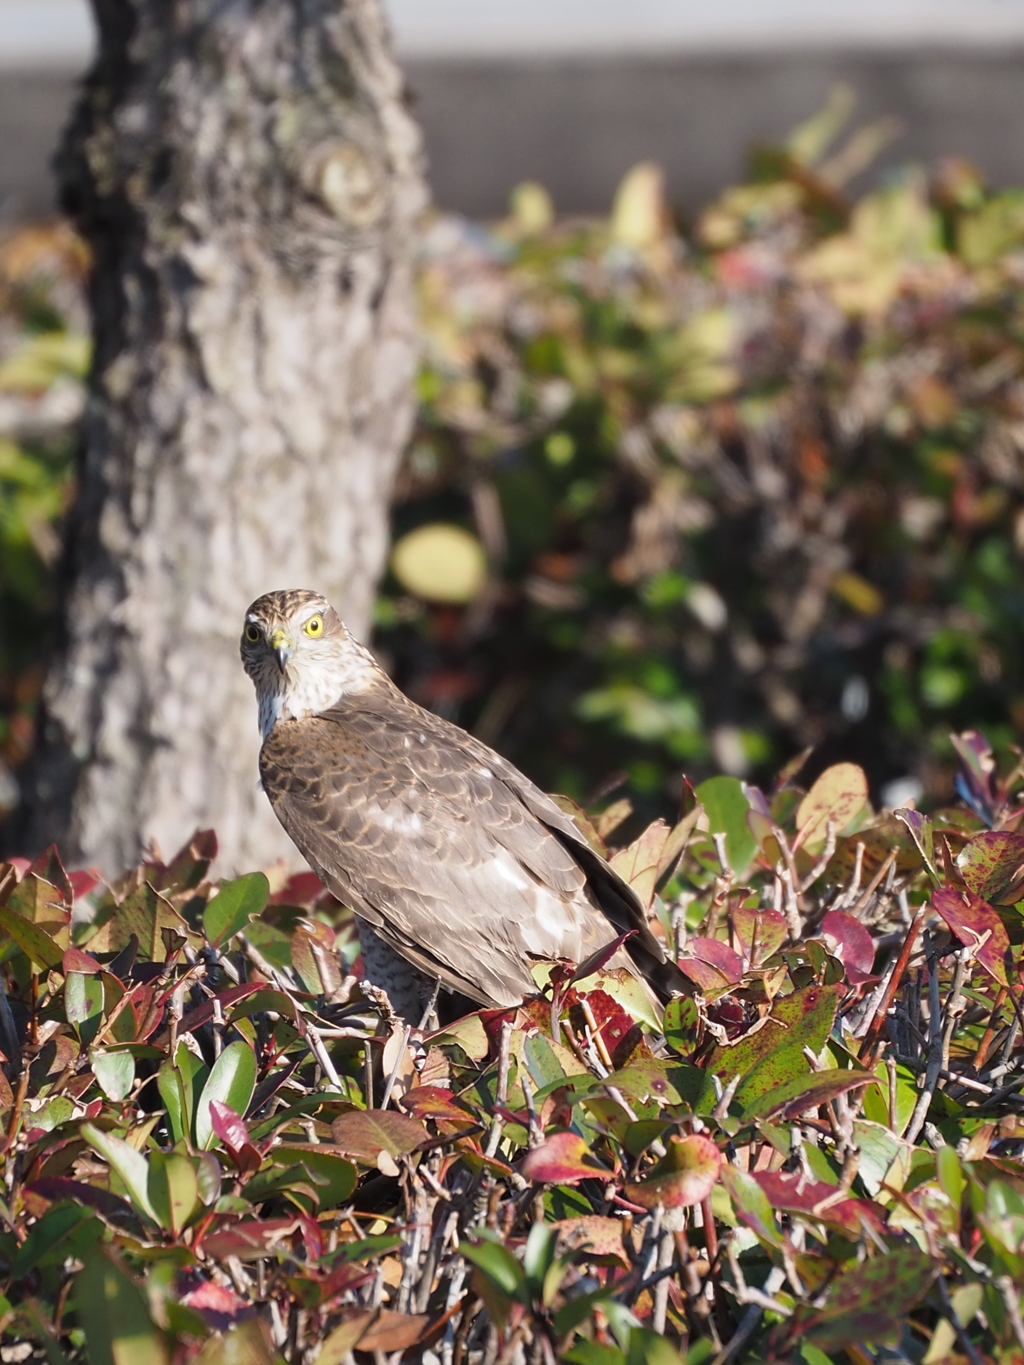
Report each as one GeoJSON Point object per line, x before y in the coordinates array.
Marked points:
{"type": "Point", "coordinates": [885, 1004]}
{"type": "Point", "coordinates": [501, 1095]}
{"type": "Point", "coordinates": [934, 1059]}
{"type": "Point", "coordinates": [316, 1046]}
{"type": "Point", "coordinates": [390, 1085]}
{"type": "Point", "coordinates": [966, 1345]}
{"type": "Point", "coordinates": [1011, 1298]}
{"type": "Point", "coordinates": [826, 857]}
{"type": "Point", "coordinates": [758, 1300]}
{"type": "Point", "coordinates": [864, 900]}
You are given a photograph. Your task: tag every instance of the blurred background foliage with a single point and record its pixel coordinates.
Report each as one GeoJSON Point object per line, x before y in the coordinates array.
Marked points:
{"type": "Point", "coordinates": [44, 354]}
{"type": "Point", "coordinates": [682, 496]}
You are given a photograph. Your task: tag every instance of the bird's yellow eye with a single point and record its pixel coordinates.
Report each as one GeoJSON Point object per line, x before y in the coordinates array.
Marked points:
{"type": "Point", "coordinates": [314, 626]}
{"type": "Point", "coordinates": [253, 635]}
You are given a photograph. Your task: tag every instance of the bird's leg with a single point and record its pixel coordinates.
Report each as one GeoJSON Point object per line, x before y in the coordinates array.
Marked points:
{"type": "Point", "coordinates": [411, 1042]}
{"type": "Point", "coordinates": [431, 1010]}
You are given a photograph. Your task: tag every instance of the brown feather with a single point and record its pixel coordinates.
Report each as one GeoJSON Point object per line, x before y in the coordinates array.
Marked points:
{"type": "Point", "coordinates": [443, 848]}
{"type": "Point", "coordinates": [457, 860]}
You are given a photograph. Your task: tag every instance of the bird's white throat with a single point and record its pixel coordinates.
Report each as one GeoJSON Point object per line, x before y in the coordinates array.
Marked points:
{"type": "Point", "coordinates": [309, 686]}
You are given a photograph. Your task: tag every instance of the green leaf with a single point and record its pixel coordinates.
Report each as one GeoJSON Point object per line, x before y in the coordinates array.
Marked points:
{"type": "Point", "coordinates": [920, 829]}
{"type": "Point", "coordinates": [332, 1176]}
{"type": "Point", "coordinates": [992, 864]}
{"type": "Point", "coordinates": [246, 1344]}
{"type": "Point", "coordinates": [232, 1080]}
{"type": "Point", "coordinates": [839, 794]}
{"type": "Point", "coordinates": [173, 1189]}
{"type": "Point", "coordinates": [539, 1252]}
{"type": "Point", "coordinates": [114, 1315]}
{"type": "Point", "coordinates": [751, 1204]}
{"type": "Point", "coordinates": [647, 1347]}
{"type": "Point", "coordinates": [682, 1024]}
{"type": "Point", "coordinates": [594, 1353]}
{"type": "Point", "coordinates": [543, 1063]}
{"type": "Point", "coordinates": [234, 906]}
{"type": "Point", "coordinates": [34, 942]}
{"type": "Point", "coordinates": [49, 1232]}
{"type": "Point", "coordinates": [130, 1165]}
{"type": "Point", "coordinates": [143, 913]}
{"type": "Point", "coordinates": [774, 1052]}
{"type": "Point", "coordinates": [577, 1310]}
{"type": "Point", "coordinates": [800, 1093]}
{"type": "Point", "coordinates": [498, 1264]}
{"type": "Point", "coordinates": [950, 1171]}
{"type": "Point", "coordinates": [869, 1303]}
{"type": "Point", "coordinates": [83, 1004]}
{"type": "Point", "coordinates": [171, 1087]}
{"type": "Point", "coordinates": [726, 807]}
{"type": "Point", "coordinates": [115, 1072]}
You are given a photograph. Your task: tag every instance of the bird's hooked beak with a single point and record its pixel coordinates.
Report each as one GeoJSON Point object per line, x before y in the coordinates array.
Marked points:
{"type": "Point", "coordinates": [282, 647]}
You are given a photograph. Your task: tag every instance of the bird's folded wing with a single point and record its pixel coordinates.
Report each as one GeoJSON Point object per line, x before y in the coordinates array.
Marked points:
{"type": "Point", "coordinates": [421, 833]}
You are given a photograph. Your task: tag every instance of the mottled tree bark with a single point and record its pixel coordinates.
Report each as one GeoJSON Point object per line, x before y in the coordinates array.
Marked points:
{"type": "Point", "coordinates": [249, 180]}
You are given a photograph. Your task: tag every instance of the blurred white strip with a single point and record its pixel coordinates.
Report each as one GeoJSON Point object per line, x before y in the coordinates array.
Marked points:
{"type": "Point", "coordinates": [497, 28]}
{"type": "Point", "coordinates": [59, 33]}
{"type": "Point", "coordinates": [41, 33]}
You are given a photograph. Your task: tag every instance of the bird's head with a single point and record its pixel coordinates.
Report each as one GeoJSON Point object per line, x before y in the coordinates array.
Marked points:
{"type": "Point", "coordinates": [300, 656]}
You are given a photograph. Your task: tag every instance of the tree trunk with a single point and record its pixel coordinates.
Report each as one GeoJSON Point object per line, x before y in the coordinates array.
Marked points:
{"type": "Point", "coordinates": [249, 181]}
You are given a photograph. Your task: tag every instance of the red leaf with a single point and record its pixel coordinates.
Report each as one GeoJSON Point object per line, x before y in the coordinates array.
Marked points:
{"type": "Point", "coordinates": [395, 1331]}
{"type": "Point", "coordinates": [203, 1013]}
{"type": "Point", "coordinates": [974, 922]}
{"type": "Point", "coordinates": [251, 1240]}
{"type": "Point", "coordinates": [229, 1127]}
{"type": "Point", "coordinates": [364, 1134]}
{"type": "Point", "coordinates": [853, 944]}
{"type": "Point", "coordinates": [719, 955]}
{"type": "Point", "coordinates": [49, 867]}
{"type": "Point", "coordinates": [216, 1304]}
{"type": "Point", "coordinates": [83, 882]}
{"type": "Point", "coordinates": [305, 888]}
{"type": "Point", "coordinates": [311, 1235]}
{"type": "Point", "coordinates": [561, 1159]}
{"type": "Point", "coordinates": [685, 1176]}
{"type": "Point", "coordinates": [433, 1102]}
{"type": "Point", "coordinates": [791, 1192]}
{"type": "Point", "coordinates": [619, 1033]}
{"type": "Point", "coordinates": [711, 981]}
{"type": "Point", "coordinates": [597, 960]}
{"type": "Point", "coordinates": [75, 960]}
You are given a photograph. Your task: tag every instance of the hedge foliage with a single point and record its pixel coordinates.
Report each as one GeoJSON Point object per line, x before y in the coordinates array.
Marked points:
{"type": "Point", "coordinates": [744, 489]}
{"type": "Point", "coordinates": [213, 1149]}
{"type": "Point", "coordinates": [732, 491]}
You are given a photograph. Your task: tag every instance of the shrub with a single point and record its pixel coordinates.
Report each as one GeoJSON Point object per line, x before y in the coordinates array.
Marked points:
{"type": "Point", "coordinates": [743, 491]}
{"type": "Point", "coordinates": [814, 1157]}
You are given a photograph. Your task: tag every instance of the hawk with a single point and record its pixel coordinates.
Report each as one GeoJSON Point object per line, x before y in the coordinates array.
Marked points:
{"type": "Point", "coordinates": [458, 868]}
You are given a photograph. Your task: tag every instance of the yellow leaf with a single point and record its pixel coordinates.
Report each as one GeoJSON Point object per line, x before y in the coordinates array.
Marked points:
{"type": "Point", "coordinates": [440, 562]}
{"type": "Point", "coordinates": [639, 216]}
{"type": "Point", "coordinates": [859, 593]}
{"type": "Point", "coordinates": [532, 209]}
{"type": "Point", "coordinates": [840, 793]}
